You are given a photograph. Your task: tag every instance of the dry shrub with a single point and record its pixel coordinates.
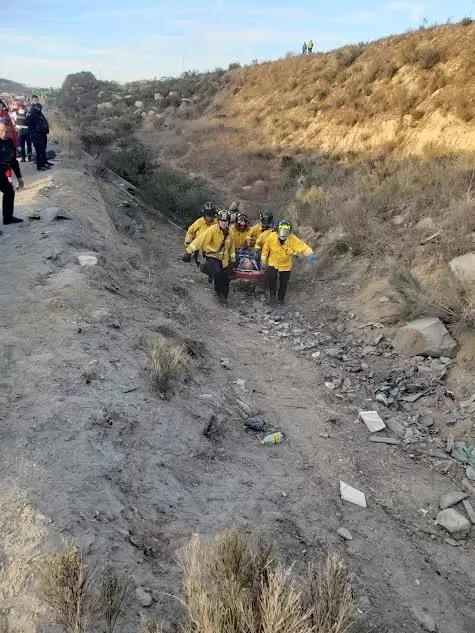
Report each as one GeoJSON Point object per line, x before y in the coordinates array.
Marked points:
{"type": "Point", "coordinates": [167, 361]}
{"type": "Point", "coordinates": [448, 300]}
{"type": "Point", "coordinates": [233, 585]}
{"type": "Point", "coordinates": [81, 594]}
{"type": "Point", "coordinates": [457, 235]}
{"type": "Point", "coordinates": [149, 625]}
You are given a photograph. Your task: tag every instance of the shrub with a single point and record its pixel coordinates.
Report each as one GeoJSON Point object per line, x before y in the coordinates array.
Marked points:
{"type": "Point", "coordinates": [167, 360]}
{"type": "Point", "coordinates": [466, 21]}
{"type": "Point", "coordinates": [427, 58]}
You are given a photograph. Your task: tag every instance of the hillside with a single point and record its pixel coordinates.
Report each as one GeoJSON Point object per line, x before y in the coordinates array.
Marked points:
{"type": "Point", "coordinates": [6, 85]}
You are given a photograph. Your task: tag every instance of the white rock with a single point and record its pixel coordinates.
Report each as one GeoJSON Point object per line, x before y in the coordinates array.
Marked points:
{"type": "Point", "coordinates": [143, 598]}
{"type": "Point", "coordinates": [158, 96]}
{"type": "Point", "coordinates": [453, 521]}
{"type": "Point", "coordinates": [54, 213]}
{"type": "Point", "coordinates": [138, 104]}
{"type": "Point", "coordinates": [352, 495]}
{"type": "Point", "coordinates": [425, 337]}
{"type": "Point", "coordinates": [451, 499]}
{"type": "Point", "coordinates": [345, 534]}
{"type": "Point", "coordinates": [87, 260]}
{"type": "Point", "coordinates": [107, 105]}
{"type": "Point", "coordinates": [426, 223]}
{"type": "Point", "coordinates": [463, 267]}
{"type": "Point", "coordinates": [424, 619]}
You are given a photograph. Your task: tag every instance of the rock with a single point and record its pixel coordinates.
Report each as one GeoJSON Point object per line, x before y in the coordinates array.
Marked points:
{"type": "Point", "coordinates": [443, 466]}
{"type": "Point", "coordinates": [151, 113]}
{"type": "Point", "coordinates": [247, 188]}
{"type": "Point", "coordinates": [158, 96]}
{"type": "Point", "coordinates": [424, 619]}
{"type": "Point", "coordinates": [463, 267]}
{"type": "Point", "coordinates": [451, 499]}
{"type": "Point", "coordinates": [396, 427]}
{"type": "Point", "coordinates": [241, 383]}
{"type": "Point", "coordinates": [330, 385]}
{"type": "Point", "coordinates": [453, 522]}
{"type": "Point", "coordinates": [139, 105]}
{"type": "Point", "coordinates": [426, 223]}
{"type": "Point", "coordinates": [55, 213]}
{"type": "Point", "coordinates": [345, 534]}
{"type": "Point", "coordinates": [260, 188]}
{"type": "Point", "coordinates": [234, 206]}
{"type": "Point", "coordinates": [348, 493]}
{"type": "Point", "coordinates": [143, 598]}
{"type": "Point", "coordinates": [469, 510]}
{"type": "Point", "coordinates": [334, 352]}
{"type": "Point", "coordinates": [226, 363]}
{"type": "Point", "coordinates": [470, 473]}
{"type": "Point", "coordinates": [107, 105]}
{"type": "Point", "coordinates": [425, 337]}
{"type": "Point", "coordinates": [87, 260]}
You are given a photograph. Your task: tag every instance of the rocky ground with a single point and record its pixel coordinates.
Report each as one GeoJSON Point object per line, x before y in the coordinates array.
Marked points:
{"type": "Point", "coordinates": [89, 452]}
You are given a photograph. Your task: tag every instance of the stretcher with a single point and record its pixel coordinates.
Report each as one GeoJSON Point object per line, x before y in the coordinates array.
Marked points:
{"type": "Point", "coordinates": [247, 266]}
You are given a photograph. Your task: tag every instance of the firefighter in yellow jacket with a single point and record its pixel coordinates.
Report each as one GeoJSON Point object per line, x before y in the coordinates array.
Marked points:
{"type": "Point", "coordinates": [241, 231]}
{"type": "Point", "coordinates": [217, 245]}
{"type": "Point", "coordinates": [207, 219]}
{"type": "Point", "coordinates": [260, 232]}
{"type": "Point", "coordinates": [277, 253]}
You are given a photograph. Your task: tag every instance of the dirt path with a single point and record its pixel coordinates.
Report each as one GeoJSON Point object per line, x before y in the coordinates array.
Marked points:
{"type": "Point", "coordinates": [132, 486]}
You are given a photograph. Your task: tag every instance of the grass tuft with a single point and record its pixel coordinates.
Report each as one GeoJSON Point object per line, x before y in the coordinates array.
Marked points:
{"type": "Point", "coordinates": [167, 361]}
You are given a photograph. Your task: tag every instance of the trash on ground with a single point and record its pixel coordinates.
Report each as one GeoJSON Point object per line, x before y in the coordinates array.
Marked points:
{"type": "Point", "coordinates": [87, 260]}
{"type": "Point", "coordinates": [256, 424]}
{"type": "Point", "coordinates": [451, 499]}
{"type": "Point", "coordinates": [380, 439]}
{"type": "Point", "coordinates": [372, 420]}
{"type": "Point", "coordinates": [226, 363]}
{"type": "Point", "coordinates": [352, 495]}
{"type": "Point", "coordinates": [273, 438]}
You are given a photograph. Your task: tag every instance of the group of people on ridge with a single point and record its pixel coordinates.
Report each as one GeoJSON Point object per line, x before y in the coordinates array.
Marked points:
{"type": "Point", "coordinates": [21, 127]}
{"type": "Point", "coordinates": [307, 47]}
{"type": "Point", "coordinates": [223, 240]}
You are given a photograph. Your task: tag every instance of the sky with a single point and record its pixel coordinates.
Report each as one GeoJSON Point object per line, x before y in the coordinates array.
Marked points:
{"type": "Point", "coordinates": [41, 41]}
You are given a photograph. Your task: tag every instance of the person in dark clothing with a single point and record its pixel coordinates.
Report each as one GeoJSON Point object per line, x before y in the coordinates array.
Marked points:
{"type": "Point", "coordinates": [8, 161]}
{"type": "Point", "coordinates": [39, 129]}
{"type": "Point", "coordinates": [21, 125]}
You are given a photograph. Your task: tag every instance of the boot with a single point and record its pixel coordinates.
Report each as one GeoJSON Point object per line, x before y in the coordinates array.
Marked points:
{"type": "Point", "coordinates": [12, 220]}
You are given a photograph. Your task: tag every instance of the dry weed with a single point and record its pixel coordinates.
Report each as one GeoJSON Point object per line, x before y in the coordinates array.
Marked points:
{"type": "Point", "coordinates": [149, 625]}
{"type": "Point", "coordinates": [167, 361]}
{"type": "Point", "coordinates": [80, 594]}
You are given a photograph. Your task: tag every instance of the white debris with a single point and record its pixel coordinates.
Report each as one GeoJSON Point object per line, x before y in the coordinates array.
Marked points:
{"type": "Point", "coordinates": [352, 495]}
{"type": "Point", "coordinates": [87, 260]}
{"type": "Point", "coordinates": [372, 420]}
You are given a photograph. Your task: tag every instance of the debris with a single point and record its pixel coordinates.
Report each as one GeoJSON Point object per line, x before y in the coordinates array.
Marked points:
{"type": "Point", "coordinates": [431, 238]}
{"type": "Point", "coordinates": [352, 495]}
{"type": "Point", "coordinates": [425, 337]}
{"type": "Point", "coordinates": [396, 427]}
{"type": "Point", "coordinates": [424, 619]}
{"type": "Point", "coordinates": [372, 420]}
{"type": "Point", "coordinates": [443, 466]}
{"type": "Point", "coordinates": [324, 435]}
{"type": "Point", "coordinates": [87, 260]}
{"type": "Point", "coordinates": [226, 363]}
{"type": "Point", "coordinates": [384, 440]}
{"type": "Point", "coordinates": [256, 424]}
{"type": "Point", "coordinates": [345, 534]}
{"type": "Point", "coordinates": [274, 438]}
{"type": "Point", "coordinates": [453, 521]}
{"type": "Point", "coordinates": [413, 397]}
{"type": "Point", "coordinates": [212, 427]}
{"type": "Point", "coordinates": [464, 452]}
{"type": "Point", "coordinates": [469, 510]}
{"type": "Point", "coordinates": [131, 390]}
{"type": "Point", "coordinates": [451, 499]}
{"type": "Point", "coordinates": [241, 383]}
{"type": "Point", "coordinates": [448, 393]}
{"type": "Point", "coordinates": [143, 598]}
{"type": "Point", "coordinates": [451, 420]}
{"type": "Point", "coordinates": [245, 408]}
{"type": "Point", "coordinates": [330, 385]}
{"type": "Point", "coordinates": [55, 213]}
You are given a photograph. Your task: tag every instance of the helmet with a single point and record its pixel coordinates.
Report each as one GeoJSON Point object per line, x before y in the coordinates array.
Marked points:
{"type": "Point", "coordinates": [209, 209]}
{"type": "Point", "coordinates": [223, 215]}
{"type": "Point", "coordinates": [266, 219]}
{"type": "Point", "coordinates": [242, 221]}
{"type": "Point", "coordinates": [283, 229]}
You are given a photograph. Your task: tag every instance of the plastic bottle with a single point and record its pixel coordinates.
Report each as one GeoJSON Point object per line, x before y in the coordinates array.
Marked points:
{"type": "Point", "coordinates": [273, 438]}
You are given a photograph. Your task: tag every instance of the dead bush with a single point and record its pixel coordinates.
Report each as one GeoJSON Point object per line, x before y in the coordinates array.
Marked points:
{"type": "Point", "coordinates": [81, 594]}
{"type": "Point", "coordinates": [447, 299]}
{"type": "Point", "coordinates": [427, 58]}
{"type": "Point", "coordinates": [149, 625]}
{"type": "Point", "coordinates": [167, 361]}
{"type": "Point", "coordinates": [234, 585]}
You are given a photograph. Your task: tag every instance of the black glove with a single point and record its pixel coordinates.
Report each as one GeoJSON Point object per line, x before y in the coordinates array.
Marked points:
{"type": "Point", "coordinates": [186, 258]}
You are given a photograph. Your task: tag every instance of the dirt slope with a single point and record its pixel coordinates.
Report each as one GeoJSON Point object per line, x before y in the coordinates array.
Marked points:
{"type": "Point", "coordinates": [133, 485]}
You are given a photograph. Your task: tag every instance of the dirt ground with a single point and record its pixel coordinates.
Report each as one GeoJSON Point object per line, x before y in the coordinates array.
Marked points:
{"type": "Point", "coordinates": [133, 485]}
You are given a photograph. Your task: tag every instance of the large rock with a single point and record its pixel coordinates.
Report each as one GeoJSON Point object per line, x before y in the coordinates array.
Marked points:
{"type": "Point", "coordinates": [454, 522]}
{"type": "Point", "coordinates": [451, 499]}
{"type": "Point", "coordinates": [425, 337]}
{"type": "Point", "coordinates": [260, 188]}
{"type": "Point", "coordinates": [463, 268]}
{"type": "Point", "coordinates": [139, 104]}
{"type": "Point", "coordinates": [158, 96]}
{"type": "Point", "coordinates": [143, 597]}
{"type": "Point", "coordinates": [107, 105]}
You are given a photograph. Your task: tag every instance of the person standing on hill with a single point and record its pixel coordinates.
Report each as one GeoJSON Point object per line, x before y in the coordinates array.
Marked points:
{"type": "Point", "coordinates": [218, 247]}
{"type": "Point", "coordinates": [39, 130]}
{"type": "Point", "coordinates": [277, 253]}
{"type": "Point", "coordinates": [304, 48]}
{"type": "Point", "coordinates": [310, 47]}
{"type": "Point", "coordinates": [19, 115]}
{"type": "Point", "coordinates": [8, 161]}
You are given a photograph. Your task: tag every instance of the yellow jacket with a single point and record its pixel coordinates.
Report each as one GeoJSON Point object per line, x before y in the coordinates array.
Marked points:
{"type": "Point", "coordinates": [199, 226]}
{"type": "Point", "coordinates": [239, 237]}
{"type": "Point", "coordinates": [280, 255]}
{"type": "Point", "coordinates": [262, 239]}
{"type": "Point", "coordinates": [214, 243]}
{"type": "Point", "coordinates": [256, 231]}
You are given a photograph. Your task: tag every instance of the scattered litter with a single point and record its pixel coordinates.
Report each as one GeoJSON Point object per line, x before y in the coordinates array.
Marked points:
{"type": "Point", "coordinates": [87, 260]}
{"type": "Point", "coordinates": [352, 495]}
{"type": "Point", "coordinates": [451, 499]}
{"type": "Point", "coordinates": [345, 534]}
{"type": "Point", "coordinates": [372, 420]}
{"type": "Point", "coordinates": [453, 521]}
{"type": "Point", "coordinates": [226, 363]}
{"type": "Point", "coordinates": [469, 510]}
{"type": "Point", "coordinates": [384, 440]}
{"type": "Point", "coordinates": [256, 424]}
{"type": "Point", "coordinates": [273, 438]}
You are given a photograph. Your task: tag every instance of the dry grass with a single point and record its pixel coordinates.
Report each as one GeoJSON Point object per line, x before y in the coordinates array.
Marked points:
{"type": "Point", "coordinates": [234, 585]}
{"type": "Point", "coordinates": [80, 594]}
{"type": "Point", "coordinates": [167, 361]}
{"type": "Point", "coordinates": [149, 625]}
